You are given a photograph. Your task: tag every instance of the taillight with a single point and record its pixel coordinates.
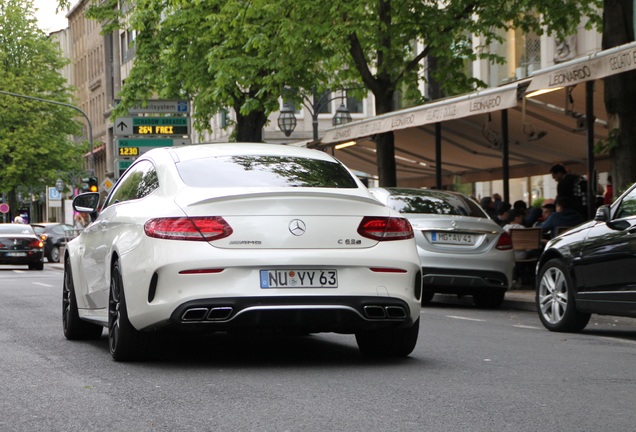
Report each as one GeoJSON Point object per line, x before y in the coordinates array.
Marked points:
{"type": "Point", "coordinates": [504, 242]}
{"type": "Point", "coordinates": [385, 228]}
{"type": "Point", "coordinates": [183, 228]}
{"type": "Point", "coordinates": [36, 244]}
{"type": "Point", "coordinates": [43, 237]}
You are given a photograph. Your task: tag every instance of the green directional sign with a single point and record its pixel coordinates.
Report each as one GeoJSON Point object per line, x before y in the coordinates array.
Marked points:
{"type": "Point", "coordinates": [152, 126]}
{"type": "Point", "coordinates": [151, 142]}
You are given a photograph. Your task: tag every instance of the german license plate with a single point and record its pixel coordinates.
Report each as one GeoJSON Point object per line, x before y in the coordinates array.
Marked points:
{"type": "Point", "coordinates": [453, 238]}
{"type": "Point", "coordinates": [327, 278]}
{"type": "Point", "coordinates": [16, 254]}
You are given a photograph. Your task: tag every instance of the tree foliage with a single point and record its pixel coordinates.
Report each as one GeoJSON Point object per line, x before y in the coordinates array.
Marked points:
{"type": "Point", "coordinates": [242, 54]}
{"type": "Point", "coordinates": [34, 136]}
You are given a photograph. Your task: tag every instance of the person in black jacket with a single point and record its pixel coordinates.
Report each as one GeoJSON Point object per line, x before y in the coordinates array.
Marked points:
{"type": "Point", "coordinates": [571, 186]}
{"type": "Point", "coordinates": [564, 216]}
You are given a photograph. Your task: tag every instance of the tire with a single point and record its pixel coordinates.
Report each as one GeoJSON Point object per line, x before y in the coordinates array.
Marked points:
{"type": "Point", "coordinates": [555, 299]}
{"type": "Point", "coordinates": [397, 342]}
{"type": "Point", "coordinates": [54, 255]}
{"type": "Point", "coordinates": [124, 341]}
{"type": "Point", "coordinates": [490, 300]}
{"type": "Point", "coordinates": [427, 296]}
{"type": "Point", "coordinates": [74, 327]}
{"type": "Point", "coordinates": [36, 266]}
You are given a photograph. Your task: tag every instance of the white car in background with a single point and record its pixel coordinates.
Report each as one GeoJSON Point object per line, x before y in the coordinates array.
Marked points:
{"type": "Point", "coordinates": [461, 249]}
{"type": "Point", "coordinates": [223, 237]}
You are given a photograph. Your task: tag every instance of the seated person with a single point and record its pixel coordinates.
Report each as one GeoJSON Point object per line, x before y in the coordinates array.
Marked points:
{"type": "Point", "coordinates": [564, 216]}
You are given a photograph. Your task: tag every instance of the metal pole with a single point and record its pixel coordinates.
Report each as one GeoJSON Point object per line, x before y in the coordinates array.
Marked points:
{"type": "Point", "coordinates": [591, 176]}
{"type": "Point", "coordinates": [88, 121]}
{"type": "Point", "coordinates": [505, 155]}
{"type": "Point", "coordinates": [438, 155]}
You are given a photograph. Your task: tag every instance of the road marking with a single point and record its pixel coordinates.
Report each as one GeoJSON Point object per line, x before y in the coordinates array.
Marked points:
{"type": "Point", "coordinates": [43, 284]}
{"type": "Point", "coordinates": [464, 318]}
{"type": "Point", "coordinates": [527, 327]}
{"type": "Point", "coordinates": [19, 271]}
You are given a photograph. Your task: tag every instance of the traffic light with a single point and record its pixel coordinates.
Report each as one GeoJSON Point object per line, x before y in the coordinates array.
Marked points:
{"type": "Point", "coordinates": [92, 184]}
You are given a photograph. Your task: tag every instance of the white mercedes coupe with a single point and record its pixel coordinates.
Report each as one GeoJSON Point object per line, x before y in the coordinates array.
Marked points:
{"type": "Point", "coordinates": [246, 237]}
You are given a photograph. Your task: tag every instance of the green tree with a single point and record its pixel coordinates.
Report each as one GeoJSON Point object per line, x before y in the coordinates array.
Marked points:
{"type": "Point", "coordinates": [241, 54]}
{"type": "Point", "coordinates": [34, 143]}
{"type": "Point", "coordinates": [620, 93]}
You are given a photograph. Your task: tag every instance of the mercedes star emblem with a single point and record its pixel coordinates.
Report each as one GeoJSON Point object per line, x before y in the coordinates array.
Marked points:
{"type": "Point", "coordinates": [297, 227]}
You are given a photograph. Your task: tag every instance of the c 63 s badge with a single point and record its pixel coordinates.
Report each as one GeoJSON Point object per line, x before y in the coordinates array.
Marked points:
{"type": "Point", "coordinates": [349, 242]}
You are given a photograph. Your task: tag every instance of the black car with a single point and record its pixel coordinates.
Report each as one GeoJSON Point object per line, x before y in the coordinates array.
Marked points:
{"type": "Point", "coordinates": [590, 269]}
{"type": "Point", "coordinates": [20, 245]}
{"type": "Point", "coordinates": [53, 235]}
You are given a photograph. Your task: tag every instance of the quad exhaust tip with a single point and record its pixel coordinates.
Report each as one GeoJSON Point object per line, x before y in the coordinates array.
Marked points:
{"type": "Point", "coordinates": [207, 314]}
{"type": "Point", "coordinates": [384, 312]}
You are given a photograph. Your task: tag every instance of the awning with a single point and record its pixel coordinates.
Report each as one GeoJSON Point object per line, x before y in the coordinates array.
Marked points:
{"type": "Point", "coordinates": [543, 129]}
{"type": "Point", "coordinates": [485, 101]}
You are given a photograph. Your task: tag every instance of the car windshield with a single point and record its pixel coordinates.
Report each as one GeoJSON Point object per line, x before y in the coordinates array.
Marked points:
{"type": "Point", "coordinates": [264, 171]}
{"type": "Point", "coordinates": [435, 203]}
{"type": "Point", "coordinates": [15, 229]}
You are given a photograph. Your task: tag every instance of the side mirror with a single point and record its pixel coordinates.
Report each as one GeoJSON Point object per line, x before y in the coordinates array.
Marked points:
{"type": "Point", "coordinates": [86, 202]}
{"type": "Point", "coordinates": [602, 214]}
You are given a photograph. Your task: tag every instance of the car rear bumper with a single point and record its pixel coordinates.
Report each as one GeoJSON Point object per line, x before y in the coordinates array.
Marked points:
{"type": "Point", "coordinates": [452, 281]}
{"type": "Point", "coordinates": [339, 314]}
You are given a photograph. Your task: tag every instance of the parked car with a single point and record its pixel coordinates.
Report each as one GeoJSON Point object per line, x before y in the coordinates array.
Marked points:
{"type": "Point", "coordinates": [240, 237]}
{"type": "Point", "coordinates": [590, 269]}
{"type": "Point", "coordinates": [462, 251]}
{"type": "Point", "coordinates": [20, 245]}
{"type": "Point", "coordinates": [54, 236]}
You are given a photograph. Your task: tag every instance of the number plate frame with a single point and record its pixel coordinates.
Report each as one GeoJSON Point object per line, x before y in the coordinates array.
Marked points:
{"type": "Point", "coordinates": [453, 238]}
{"type": "Point", "coordinates": [298, 278]}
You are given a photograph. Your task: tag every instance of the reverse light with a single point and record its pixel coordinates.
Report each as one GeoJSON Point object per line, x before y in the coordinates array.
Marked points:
{"type": "Point", "coordinates": [385, 228]}
{"type": "Point", "coordinates": [504, 242]}
{"type": "Point", "coordinates": [184, 228]}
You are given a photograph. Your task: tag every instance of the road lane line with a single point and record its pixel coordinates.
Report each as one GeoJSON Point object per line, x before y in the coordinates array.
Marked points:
{"type": "Point", "coordinates": [527, 327]}
{"type": "Point", "coordinates": [465, 318]}
{"type": "Point", "coordinates": [43, 284]}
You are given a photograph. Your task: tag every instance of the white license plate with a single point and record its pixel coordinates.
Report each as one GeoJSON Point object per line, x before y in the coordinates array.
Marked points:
{"type": "Point", "coordinates": [453, 238]}
{"type": "Point", "coordinates": [16, 254]}
{"type": "Point", "coordinates": [305, 278]}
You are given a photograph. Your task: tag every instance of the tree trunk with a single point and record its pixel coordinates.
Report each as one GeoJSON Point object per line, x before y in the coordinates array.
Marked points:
{"type": "Point", "coordinates": [385, 143]}
{"type": "Point", "coordinates": [249, 128]}
{"type": "Point", "coordinates": [620, 93]}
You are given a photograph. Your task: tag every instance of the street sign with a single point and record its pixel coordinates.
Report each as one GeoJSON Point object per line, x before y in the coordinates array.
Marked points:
{"type": "Point", "coordinates": [4, 208]}
{"type": "Point", "coordinates": [152, 142]}
{"type": "Point", "coordinates": [152, 126]}
{"type": "Point", "coordinates": [107, 184]}
{"type": "Point", "coordinates": [54, 194]}
{"type": "Point", "coordinates": [157, 106]}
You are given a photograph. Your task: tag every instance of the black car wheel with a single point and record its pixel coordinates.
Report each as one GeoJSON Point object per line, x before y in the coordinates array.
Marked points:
{"type": "Point", "coordinates": [124, 341]}
{"type": "Point", "coordinates": [36, 266]}
{"type": "Point", "coordinates": [74, 327]}
{"type": "Point", "coordinates": [555, 299]}
{"type": "Point", "coordinates": [398, 342]}
{"type": "Point", "coordinates": [54, 255]}
{"type": "Point", "coordinates": [489, 300]}
{"type": "Point", "coordinates": [427, 296]}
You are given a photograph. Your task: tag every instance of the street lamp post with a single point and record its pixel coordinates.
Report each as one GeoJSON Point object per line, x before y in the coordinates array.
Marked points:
{"type": "Point", "coordinates": [287, 119]}
{"type": "Point", "coordinates": [59, 186]}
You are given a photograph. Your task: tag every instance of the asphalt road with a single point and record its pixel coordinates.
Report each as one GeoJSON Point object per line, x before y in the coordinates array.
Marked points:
{"type": "Point", "coordinates": [472, 370]}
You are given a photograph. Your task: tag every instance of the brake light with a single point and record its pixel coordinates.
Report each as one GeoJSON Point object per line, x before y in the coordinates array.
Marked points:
{"type": "Point", "coordinates": [504, 242]}
{"type": "Point", "coordinates": [184, 228]}
{"type": "Point", "coordinates": [385, 228]}
{"type": "Point", "coordinates": [36, 244]}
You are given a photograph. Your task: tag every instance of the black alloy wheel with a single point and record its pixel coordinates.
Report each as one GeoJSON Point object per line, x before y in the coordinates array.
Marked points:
{"type": "Point", "coordinates": [74, 327]}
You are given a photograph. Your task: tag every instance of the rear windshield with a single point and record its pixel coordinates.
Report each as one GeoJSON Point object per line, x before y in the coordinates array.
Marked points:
{"type": "Point", "coordinates": [264, 171]}
{"type": "Point", "coordinates": [436, 203]}
{"type": "Point", "coordinates": [15, 229]}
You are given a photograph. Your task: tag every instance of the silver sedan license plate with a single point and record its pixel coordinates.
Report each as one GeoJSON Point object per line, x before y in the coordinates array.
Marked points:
{"type": "Point", "coordinates": [306, 278]}
{"type": "Point", "coordinates": [453, 238]}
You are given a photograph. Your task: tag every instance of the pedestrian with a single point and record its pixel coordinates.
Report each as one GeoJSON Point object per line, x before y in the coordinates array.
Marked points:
{"type": "Point", "coordinates": [18, 219]}
{"type": "Point", "coordinates": [564, 217]}
{"type": "Point", "coordinates": [489, 206]}
{"type": "Point", "coordinates": [573, 187]}
{"type": "Point", "coordinates": [608, 197]}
